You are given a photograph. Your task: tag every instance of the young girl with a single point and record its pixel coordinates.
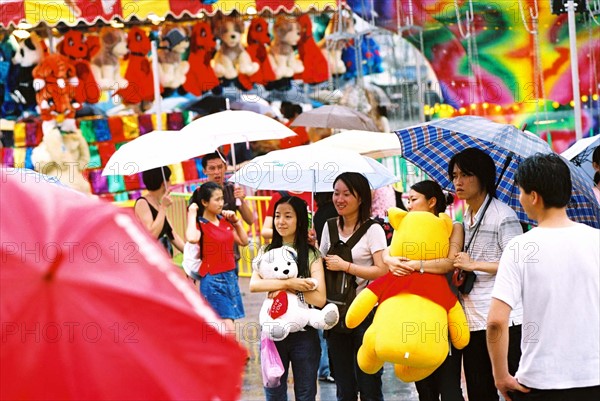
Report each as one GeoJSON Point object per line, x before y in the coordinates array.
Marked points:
{"type": "Point", "coordinates": [427, 196]}
{"type": "Point", "coordinates": [216, 230]}
{"type": "Point", "coordinates": [352, 201]}
{"type": "Point", "coordinates": [301, 348]}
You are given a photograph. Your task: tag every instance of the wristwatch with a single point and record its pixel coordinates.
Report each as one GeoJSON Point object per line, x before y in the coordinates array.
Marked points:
{"type": "Point", "coordinates": [422, 269]}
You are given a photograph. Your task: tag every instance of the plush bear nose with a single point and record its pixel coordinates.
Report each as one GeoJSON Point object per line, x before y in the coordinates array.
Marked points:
{"type": "Point", "coordinates": [286, 271]}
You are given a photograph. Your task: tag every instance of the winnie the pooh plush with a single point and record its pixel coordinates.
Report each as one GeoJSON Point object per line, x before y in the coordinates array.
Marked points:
{"type": "Point", "coordinates": [287, 313]}
{"type": "Point", "coordinates": [417, 312]}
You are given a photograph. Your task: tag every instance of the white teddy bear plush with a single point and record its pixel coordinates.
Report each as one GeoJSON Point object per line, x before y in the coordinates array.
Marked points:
{"type": "Point", "coordinates": [286, 313]}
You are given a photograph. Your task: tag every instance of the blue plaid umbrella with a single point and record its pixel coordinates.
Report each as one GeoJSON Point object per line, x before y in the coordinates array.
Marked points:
{"type": "Point", "coordinates": [430, 147]}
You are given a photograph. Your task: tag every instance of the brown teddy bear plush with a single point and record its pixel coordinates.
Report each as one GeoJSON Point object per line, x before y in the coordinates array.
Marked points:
{"type": "Point", "coordinates": [286, 35]}
{"type": "Point", "coordinates": [79, 50]}
{"type": "Point", "coordinates": [173, 70]}
{"type": "Point", "coordinates": [201, 77]}
{"type": "Point", "coordinates": [55, 81]}
{"type": "Point", "coordinates": [106, 63]}
{"type": "Point", "coordinates": [232, 63]}
{"type": "Point", "coordinates": [332, 48]}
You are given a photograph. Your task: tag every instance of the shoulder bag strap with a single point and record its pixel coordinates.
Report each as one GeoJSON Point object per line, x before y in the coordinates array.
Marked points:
{"type": "Point", "coordinates": [478, 224]}
{"type": "Point", "coordinates": [333, 231]}
{"type": "Point", "coordinates": [358, 234]}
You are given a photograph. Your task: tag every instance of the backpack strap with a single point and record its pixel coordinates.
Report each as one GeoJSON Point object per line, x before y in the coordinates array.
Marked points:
{"type": "Point", "coordinates": [334, 236]}
{"type": "Point", "coordinates": [358, 234]}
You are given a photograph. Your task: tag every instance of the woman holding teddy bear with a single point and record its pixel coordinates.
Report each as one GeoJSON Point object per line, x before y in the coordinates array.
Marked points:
{"type": "Point", "coordinates": [302, 348]}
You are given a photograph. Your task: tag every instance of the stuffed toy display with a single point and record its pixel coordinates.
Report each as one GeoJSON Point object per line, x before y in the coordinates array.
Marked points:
{"type": "Point", "coordinates": [370, 58]}
{"type": "Point", "coordinates": [201, 77]}
{"type": "Point", "coordinates": [286, 313]}
{"type": "Point", "coordinates": [258, 38]}
{"type": "Point", "coordinates": [63, 155]}
{"type": "Point", "coordinates": [332, 46]}
{"type": "Point", "coordinates": [27, 57]}
{"type": "Point", "coordinates": [173, 70]}
{"type": "Point", "coordinates": [286, 35]}
{"type": "Point", "coordinates": [80, 50]}
{"type": "Point", "coordinates": [416, 313]}
{"type": "Point", "coordinates": [106, 63]}
{"type": "Point", "coordinates": [315, 64]}
{"type": "Point", "coordinates": [55, 80]}
{"type": "Point", "coordinates": [232, 63]}
{"type": "Point", "coordinates": [139, 70]}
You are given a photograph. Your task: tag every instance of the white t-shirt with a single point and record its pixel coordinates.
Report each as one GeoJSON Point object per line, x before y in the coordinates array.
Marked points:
{"type": "Point", "coordinates": [362, 252]}
{"type": "Point", "coordinates": [555, 273]}
{"type": "Point", "coordinates": [500, 224]}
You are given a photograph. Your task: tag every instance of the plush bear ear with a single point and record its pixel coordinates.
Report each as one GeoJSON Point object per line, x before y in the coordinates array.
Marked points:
{"type": "Point", "coordinates": [290, 253]}
{"type": "Point", "coordinates": [447, 222]}
{"type": "Point", "coordinates": [395, 215]}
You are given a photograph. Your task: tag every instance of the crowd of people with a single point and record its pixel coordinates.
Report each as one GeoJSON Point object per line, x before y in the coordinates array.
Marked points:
{"type": "Point", "coordinates": [533, 310]}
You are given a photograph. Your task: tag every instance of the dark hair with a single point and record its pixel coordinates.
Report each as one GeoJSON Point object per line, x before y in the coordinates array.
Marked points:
{"type": "Point", "coordinates": [596, 155]}
{"type": "Point", "coordinates": [476, 162]}
{"type": "Point", "coordinates": [203, 193]}
{"type": "Point", "coordinates": [301, 236]}
{"type": "Point", "coordinates": [153, 179]}
{"type": "Point", "coordinates": [358, 185]}
{"type": "Point", "coordinates": [549, 176]}
{"type": "Point", "coordinates": [208, 157]}
{"type": "Point", "coordinates": [290, 110]}
{"type": "Point", "coordinates": [323, 198]}
{"type": "Point", "coordinates": [431, 189]}
{"type": "Point", "coordinates": [597, 177]}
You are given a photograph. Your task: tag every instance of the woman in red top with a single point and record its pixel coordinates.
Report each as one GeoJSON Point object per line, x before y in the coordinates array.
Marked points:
{"type": "Point", "coordinates": [216, 230]}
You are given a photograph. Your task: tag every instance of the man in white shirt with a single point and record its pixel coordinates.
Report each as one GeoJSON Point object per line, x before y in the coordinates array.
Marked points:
{"type": "Point", "coordinates": [554, 270]}
{"type": "Point", "coordinates": [473, 174]}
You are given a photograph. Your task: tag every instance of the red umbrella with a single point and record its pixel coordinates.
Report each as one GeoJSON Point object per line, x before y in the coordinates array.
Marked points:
{"type": "Point", "coordinates": [91, 308]}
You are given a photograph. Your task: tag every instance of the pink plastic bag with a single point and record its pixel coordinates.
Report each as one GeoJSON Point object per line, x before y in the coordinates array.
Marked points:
{"type": "Point", "coordinates": [270, 362]}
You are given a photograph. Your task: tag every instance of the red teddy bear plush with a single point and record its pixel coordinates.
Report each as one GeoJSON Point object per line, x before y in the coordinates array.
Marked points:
{"type": "Point", "coordinates": [258, 39]}
{"type": "Point", "coordinates": [80, 50]}
{"type": "Point", "coordinates": [315, 63]}
{"type": "Point", "coordinates": [201, 77]}
{"type": "Point", "coordinates": [55, 80]}
{"type": "Point", "coordinates": [139, 71]}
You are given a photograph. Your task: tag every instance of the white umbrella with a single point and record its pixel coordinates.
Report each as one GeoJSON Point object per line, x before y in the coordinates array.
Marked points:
{"type": "Point", "coordinates": [309, 168]}
{"type": "Point", "coordinates": [152, 150]}
{"type": "Point", "coordinates": [229, 127]}
{"type": "Point", "coordinates": [368, 143]}
{"type": "Point", "coordinates": [580, 153]}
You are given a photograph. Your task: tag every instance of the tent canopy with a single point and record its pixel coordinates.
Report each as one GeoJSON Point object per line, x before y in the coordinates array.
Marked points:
{"type": "Point", "coordinates": [71, 13]}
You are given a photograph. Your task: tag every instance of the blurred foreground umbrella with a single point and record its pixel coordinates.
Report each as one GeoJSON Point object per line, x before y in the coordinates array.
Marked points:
{"type": "Point", "coordinates": [335, 116]}
{"type": "Point", "coordinates": [91, 307]}
{"type": "Point", "coordinates": [431, 146]}
{"type": "Point", "coordinates": [373, 144]}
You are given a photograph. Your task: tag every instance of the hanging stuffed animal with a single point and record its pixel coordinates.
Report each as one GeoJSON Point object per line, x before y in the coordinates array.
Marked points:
{"type": "Point", "coordinates": [173, 68]}
{"type": "Point", "coordinates": [232, 63]}
{"type": "Point", "coordinates": [416, 313]}
{"type": "Point", "coordinates": [315, 64]}
{"type": "Point", "coordinates": [105, 64]}
{"type": "Point", "coordinates": [139, 70]}
{"type": "Point", "coordinates": [201, 77]}
{"type": "Point", "coordinates": [334, 41]}
{"type": "Point", "coordinates": [286, 35]}
{"type": "Point", "coordinates": [27, 57]}
{"type": "Point", "coordinates": [258, 38]}
{"type": "Point", "coordinates": [64, 155]}
{"type": "Point", "coordinates": [55, 80]}
{"type": "Point", "coordinates": [80, 50]}
{"type": "Point", "coordinates": [8, 74]}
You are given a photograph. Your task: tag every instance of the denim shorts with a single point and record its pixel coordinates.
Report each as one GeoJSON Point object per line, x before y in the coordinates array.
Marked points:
{"type": "Point", "coordinates": [222, 292]}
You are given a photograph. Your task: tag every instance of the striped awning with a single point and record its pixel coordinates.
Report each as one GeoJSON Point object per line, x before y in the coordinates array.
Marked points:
{"type": "Point", "coordinates": [53, 12]}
